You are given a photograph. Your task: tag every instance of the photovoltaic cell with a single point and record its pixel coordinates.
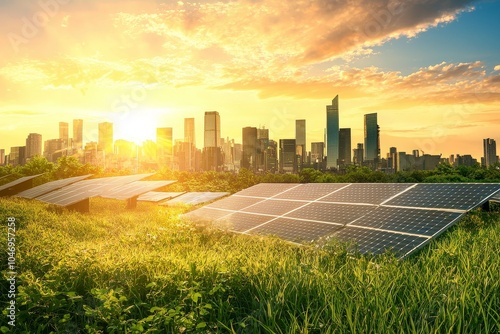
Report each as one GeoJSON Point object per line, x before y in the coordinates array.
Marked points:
{"type": "Point", "coordinates": [133, 189]}
{"type": "Point", "coordinates": [311, 191]}
{"type": "Point", "coordinates": [266, 190]}
{"type": "Point", "coordinates": [241, 222]}
{"type": "Point", "coordinates": [459, 196]}
{"type": "Point", "coordinates": [332, 213]}
{"type": "Point", "coordinates": [158, 196]}
{"type": "Point", "coordinates": [368, 241]}
{"type": "Point", "coordinates": [234, 203]}
{"type": "Point", "coordinates": [194, 198]}
{"type": "Point", "coordinates": [273, 207]}
{"type": "Point", "coordinates": [415, 221]}
{"type": "Point", "coordinates": [296, 230]}
{"type": "Point", "coordinates": [370, 193]}
{"type": "Point", "coordinates": [50, 186]}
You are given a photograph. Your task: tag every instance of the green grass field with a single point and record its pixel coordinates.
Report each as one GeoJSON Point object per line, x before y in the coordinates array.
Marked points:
{"type": "Point", "coordinates": [148, 271]}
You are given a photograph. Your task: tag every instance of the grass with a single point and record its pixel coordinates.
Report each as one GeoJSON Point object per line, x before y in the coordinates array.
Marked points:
{"type": "Point", "coordinates": [148, 271]}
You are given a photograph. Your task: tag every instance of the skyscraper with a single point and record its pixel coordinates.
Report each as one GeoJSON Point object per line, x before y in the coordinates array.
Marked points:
{"type": "Point", "coordinates": [262, 149]}
{"type": "Point", "coordinates": [164, 147]}
{"type": "Point", "coordinates": [358, 155]}
{"type": "Point", "coordinates": [300, 140]}
{"type": "Point", "coordinates": [249, 154]}
{"type": "Point", "coordinates": [78, 134]}
{"type": "Point", "coordinates": [317, 154]}
{"type": "Point", "coordinates": [332, 133]}
{"type": "Point", "coordinates": [2, 156]}
{"type": "Point", "coordinates": [490, 152]}
{"type": "Point", "coordinates": [212, 129]}
{"type": "Point", "coordinates": [288, 156]}
{"type": "Point", "coordinates": [344, 147]}
{"type": "Point", "coordinates": [372, 140]}
{"type": "Point", "coordinates": [212, 152]}
{"type": "Point", "coordinates": [64, 133]}
{"type": "Point", "coordinates": [33, 145]}
{"type": "Point", "coordinates": [189, 134]}
{"type": "Point", "coordinates": [105, 140]}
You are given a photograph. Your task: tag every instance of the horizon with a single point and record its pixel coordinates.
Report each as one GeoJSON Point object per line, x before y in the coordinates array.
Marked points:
{"type": "Point", "coordinates": [139, 64]}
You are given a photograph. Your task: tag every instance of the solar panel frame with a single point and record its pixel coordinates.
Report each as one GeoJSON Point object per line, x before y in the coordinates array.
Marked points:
{"type": "Point", "coordinates": [50, 186]}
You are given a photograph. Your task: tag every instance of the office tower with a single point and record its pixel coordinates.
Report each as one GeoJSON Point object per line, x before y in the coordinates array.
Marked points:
{"type": "Point", "coordinates": [212, 153]}
{"type": "Point", "coordinates": [404, 162]}
{"type": "Point", "coordinates": [248, 157]}
{"type": "Point", "coordinates": [359, 153]}
{"type": "Point", "coordinates": [300, 140]}
{"type": "Point", "coordinates": [189, 133]}
{"type": "Point", "coordinates": [372, 141]}
{"type": "Point", "coordinates": [271, 156]}
{"type": "Point", "coordinates": [237, 153]}
{"type": "Point", "coordinates": [288, 156]}
{"type": "Point", "coordinates": [164, 147]}
{"type": "Point", "coordinates": [262, 148]}
{"type": "Point", "coordinates": [490, 152]}
{"type": "Point", "coordinates": [393, 156]}
{"type": "Point", "coordinates": [33, 145]}
{"type": "Point", "coordinates": [78, 134]}
{"type": "Point", "coordinates": [332, 133]}
{"type": "Point", "coordinates": [212, 129]}
{"type": "Point", "coordinates": [105, 140]}
{"type": "Point", "coordinates": [317, 154]}
{"type": "Point", "coordinates": [53, 149]}
{"type": "Point", "coordinates": [344, 147]}
{"type": "Point", "coordinates": [2, 157]}
{"type": "Point", "coordinates": [17, 155]}
{"type": "Point", "coordinates": [64, 133]}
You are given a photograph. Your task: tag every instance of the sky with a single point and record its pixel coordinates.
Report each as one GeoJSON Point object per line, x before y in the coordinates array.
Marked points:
{"type": "Point", "coordinates": [429, 68]}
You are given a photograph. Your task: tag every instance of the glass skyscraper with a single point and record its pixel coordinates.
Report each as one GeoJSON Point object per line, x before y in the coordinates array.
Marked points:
{"type": "Point", "coordinates": [332, 133]}
{"type": "Point", "coordinates": [372, 141]}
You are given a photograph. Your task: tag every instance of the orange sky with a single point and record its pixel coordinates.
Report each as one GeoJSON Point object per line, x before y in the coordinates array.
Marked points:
{"type": "Point", "coordinates": [142, 64]}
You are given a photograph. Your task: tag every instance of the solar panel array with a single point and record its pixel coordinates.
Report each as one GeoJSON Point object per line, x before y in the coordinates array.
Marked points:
{"type": "Point", "coordinates": [133, 189]}
{"type": "Point", "coordinates": [50, 186]}
{"type": "Point", "coordinates": [195, 198]}
{"type": "Point", "coordinates": [400, 217]}
{"type": "Point", "coordinates": [85, 189]}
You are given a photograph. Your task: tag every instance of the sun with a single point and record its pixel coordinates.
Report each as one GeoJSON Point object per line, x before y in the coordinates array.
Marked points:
{"type": "Point", "coordinates": [137, 126]}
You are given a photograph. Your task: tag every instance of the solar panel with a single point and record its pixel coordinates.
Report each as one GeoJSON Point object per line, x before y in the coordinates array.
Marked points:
{"type": "Point", "coordinates": [368, 241]}
{"type": "Point", "coordinates": [158, 196]}
{"type": "Point", "coordinates": [266, 190]}
{"type": "Point", "coordinates": [422, 222]}
{"type": "Point", "coordinates": [50, 186]}
{"type": "Point", "coordinates": [133, 189]}
{"type": "Point", "coordinates": [311, 191]}
{"type": "Point", "coordinates": [331, 213]}
{"type": "Point", "coordinates": [85, 189]}
{"type": "Point", "coordinates": [376, 217]}
{"type": "Point", "coordinates": [370, 193]}
{"type": "Point", "coordinates": [241, 222]}
{"type": "Point", "coordinates": [296, 230]}
{"type": "Point", "coordinates": [17, 186]}
{"type": "Point", "coordinates": [194, 198]}
{"type": "Point", "coordinates": [458, 196]}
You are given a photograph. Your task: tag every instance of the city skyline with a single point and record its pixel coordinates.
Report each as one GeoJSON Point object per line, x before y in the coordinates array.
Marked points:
{"type": "Point", "coordinates": [142, 65]}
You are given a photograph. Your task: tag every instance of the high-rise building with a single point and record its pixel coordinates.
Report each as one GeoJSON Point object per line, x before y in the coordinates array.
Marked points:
{"type": "Point", "coordinates": [332, 133]}
{"type": "Point", "coordinates": [64, 133]}
{"type": "Point", "coordinates": [300, 140]}
{"type": "Point", "coordinates": [490, 152]}
{"type": "Point", "coordinates": [54, 149]}
{"type": "Point", "coordinates": [212, 153]}
{"type": "Point", "coordinates": [249, 154]}
{"type": "Point", "coordinates": [317, 154]}
{"type": "Point", "coordinates": [212, 129]}
{"type": "Point", "coordinates": [288, 156]}
{"type": "Point", "coordinates": [271, 157]}
{"type": "Point", "coordinates": [344, 147]}
{"type": "Point", "coordinates": [17, 155]}
{"type": "Point", "coordinates": [33, 145]}
{"type": "Point", "coordinates": [358, 153]}
{"type": "Point", "coordinates": [393, 158]}
{"type": "Point", "coordinates": [164, 147]}
{"type": "Point", "coordinates": [372, 140]}
{"type": "Point", "coordinates": [262, 149]}
{"type": "Point", "coordinates": [189, 131]}
{"type": "Point", "coordinates": [2, 157]}
{"type": "Point", "coordinates": [105, 140]}
{"type": "Point", "coordinates": [78, 134]}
